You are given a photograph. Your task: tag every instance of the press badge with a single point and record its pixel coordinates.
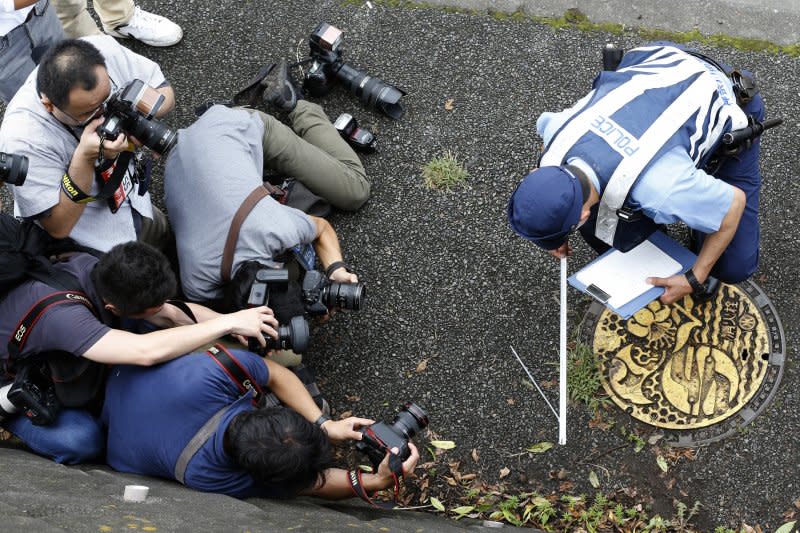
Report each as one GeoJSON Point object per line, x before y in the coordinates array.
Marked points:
{"type": "Point", "coordinates": [305, 255]}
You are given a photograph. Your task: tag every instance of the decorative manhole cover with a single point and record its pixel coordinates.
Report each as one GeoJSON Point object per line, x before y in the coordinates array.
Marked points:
{"type": "Point", "coordinates": [698, 371]}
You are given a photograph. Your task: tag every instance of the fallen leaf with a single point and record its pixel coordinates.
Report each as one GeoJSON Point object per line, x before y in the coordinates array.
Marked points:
{"type": "Point", "coordinates": [565, 486]}
{"type": "Point", "coordinates": [443, 444]}
{"type": "Point", "coordinates": [475, 456]}
{"type": "Point", "coordinates": [654, 438]}
{"type": "Point", "coordinates": [797, 503]}
{"type": "Point", "coordinates": [511, 401]}
{"type": "Point", "coordinates": [549, 384]}
{"type": "Point", "coordinates": [468, 477]}
{"type": "Point", "coordinates": [540, 447]}
{"type": "Point", "coordinates": [450, 481]}
{"type": "Point", "coordinates": [422, 366]}
{"type": "Point", "coordinates": [662, 463]}
{"type": "Point", "coordinates": [670, 483]}
{"type": "Point", "coordinates": [448, 105]}
{"type": "Point", "coordinates": [437, 504]}
{"type": "Point", "coordinates": [788, 527]}
{"type": "Point", "coordinates": [464, 509]}
{"type": "Point", "coordinates": [345, 414]}
{"type": "Point", "coordinates": [504, 472]}
{"type": "Point", "coordinates": [593, 479]}
{"type": "Point", "coordinates": [598, 422]}
{"type": "Point", "coordinates": [352, 398]}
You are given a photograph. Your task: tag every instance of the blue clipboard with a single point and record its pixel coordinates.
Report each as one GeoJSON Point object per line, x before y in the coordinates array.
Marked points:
{"type": "Point", "coordinates": [663, 242]}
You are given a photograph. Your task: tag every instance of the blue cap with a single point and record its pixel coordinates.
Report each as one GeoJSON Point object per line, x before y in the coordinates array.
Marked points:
{"type": "Point", "coordinates": [546, 206]}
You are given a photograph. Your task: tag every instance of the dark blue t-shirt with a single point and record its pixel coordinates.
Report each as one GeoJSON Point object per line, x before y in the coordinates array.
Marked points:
{"type": "Point", "coordinates": [152, 413]}
{"type": "Point", "coordinates": [70, 327]}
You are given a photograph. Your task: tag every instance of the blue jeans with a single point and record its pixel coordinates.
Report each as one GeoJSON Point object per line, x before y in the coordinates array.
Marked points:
{"type": "Point", "coordinates": [76, 436]}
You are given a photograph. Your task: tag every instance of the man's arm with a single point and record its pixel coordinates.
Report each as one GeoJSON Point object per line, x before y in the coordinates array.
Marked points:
{"type": "Point", "coordinates": [326, 244]}
{"type": "Point", "coordinates": [337, 482]}
{"type": "Point", "coordinates": [65, 214]}
{"type": "Point", "coordinates": [19, 4]}
{"type": "Point", "coordinates": [677, 286]}
{"type": "Point", "coordinates": [169, 100]}
{"type": "Point", "coordinates": [121, 347]}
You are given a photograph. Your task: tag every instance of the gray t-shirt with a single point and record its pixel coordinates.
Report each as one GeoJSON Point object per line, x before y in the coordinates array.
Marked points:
{"type": "Point", "coordinates": [28, 129]}
{"type": "Point", "coordinates": [216, 164]}
{"type": "Point", "coordinates": [70, 327]}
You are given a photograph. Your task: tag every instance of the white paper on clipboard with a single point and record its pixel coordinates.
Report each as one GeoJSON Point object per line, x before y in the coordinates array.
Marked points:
{"type": "Point", "coordinates": [622, 276]}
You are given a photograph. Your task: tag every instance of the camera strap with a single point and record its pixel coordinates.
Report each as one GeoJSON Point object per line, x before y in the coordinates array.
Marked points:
{"type": "Point", "coordinates": [236, 371]}
{"type": "Point", "coordinates": [19, 337]}
{"type": "Point", "coordinates": [263, 190]}
{"type": "Point", "coordinates": [356, 485]}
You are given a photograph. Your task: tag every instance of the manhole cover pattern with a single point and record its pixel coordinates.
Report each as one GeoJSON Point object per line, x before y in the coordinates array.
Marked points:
{"type": "Point", "coordinates": [699, 371]}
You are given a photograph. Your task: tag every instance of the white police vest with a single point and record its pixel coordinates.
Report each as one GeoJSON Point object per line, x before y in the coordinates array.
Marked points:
{"type": "Point", "coordinates": [659, 98]}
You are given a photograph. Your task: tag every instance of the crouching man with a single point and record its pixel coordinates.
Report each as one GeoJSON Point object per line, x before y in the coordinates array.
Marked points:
{"type": "Point", "coordinates": [190, 420]}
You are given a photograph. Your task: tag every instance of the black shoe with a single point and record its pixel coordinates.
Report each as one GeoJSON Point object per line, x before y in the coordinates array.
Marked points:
{"type": "Point", "coordinates": [712, 287]}
{"type": "Point", "coordinates": [279, 89]}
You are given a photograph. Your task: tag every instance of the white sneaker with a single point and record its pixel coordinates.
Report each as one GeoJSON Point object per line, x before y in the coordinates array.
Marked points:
{"type": "Point", "coordinates": [149, 28]}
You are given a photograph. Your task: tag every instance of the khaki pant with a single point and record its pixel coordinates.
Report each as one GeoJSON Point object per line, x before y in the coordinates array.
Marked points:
{"type": "Point", "coordinates": [315, 155]}
{"type": "Point", "coordinates": [78, 22]}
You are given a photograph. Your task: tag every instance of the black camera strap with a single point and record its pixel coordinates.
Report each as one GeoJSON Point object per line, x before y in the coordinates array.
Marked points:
{"type": "Point", "coordinates": [20, 334]}
{"type": "Point", "coordinates": [356, 485]}
{"type": "Point", "coordinates": [236, 371]}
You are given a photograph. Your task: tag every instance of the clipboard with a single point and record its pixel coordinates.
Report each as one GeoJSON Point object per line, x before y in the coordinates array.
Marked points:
{"type": "Point", "coordinates": [668, 254]}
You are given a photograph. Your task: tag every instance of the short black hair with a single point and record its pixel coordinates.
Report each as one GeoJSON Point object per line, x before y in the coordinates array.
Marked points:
{"type": "Point", "coordinates": [67, 65]}
{"type": "Point", "coordinates": [134, 277]}
{"type": "Point", "coordinates": [279, 448]}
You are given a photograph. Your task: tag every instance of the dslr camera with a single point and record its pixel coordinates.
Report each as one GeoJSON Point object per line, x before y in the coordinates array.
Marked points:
{"type": "Point", "coordinates": [13, 168]}
{"type": "Point", "coordinates": [327, 67]}
{"type": "Point", "coordinates": [321, 294]}
{"type": "Point", "coordinates": [31, 392]}
{"type": "Point", "coordinates": [379, 438]}
{"type": "Point", "coordinates": [296, 335]}
{"type": "Point", "coordinates": [132, 110]}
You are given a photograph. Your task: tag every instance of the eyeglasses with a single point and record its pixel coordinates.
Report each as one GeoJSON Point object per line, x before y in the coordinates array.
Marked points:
{"type": "Point", "coordinates": [101, 109]}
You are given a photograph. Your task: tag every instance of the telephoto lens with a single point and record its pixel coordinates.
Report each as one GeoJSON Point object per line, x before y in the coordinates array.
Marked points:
{"type": "Point", "coordinates": [294, 336]}
{"type": "Point", "coordinates": [344, 295]}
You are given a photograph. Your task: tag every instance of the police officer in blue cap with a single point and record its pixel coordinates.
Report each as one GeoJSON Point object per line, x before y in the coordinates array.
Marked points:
{"type": "Point", "coordinates": [633, 154]}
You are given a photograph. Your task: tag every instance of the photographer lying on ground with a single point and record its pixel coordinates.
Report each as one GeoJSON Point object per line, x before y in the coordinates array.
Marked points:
{"type": "Point", "coordinates": [129, 285]}
{"type": "Point", "coordinates": [152, 414]}
{"type": "Point", "coordinates": [53, 120]}
{"type": "Point", "coordinates": [220, 160]}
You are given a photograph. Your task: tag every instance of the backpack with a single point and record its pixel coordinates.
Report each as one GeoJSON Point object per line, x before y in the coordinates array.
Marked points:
{"type": "Point", "coordinates": [25, 251]}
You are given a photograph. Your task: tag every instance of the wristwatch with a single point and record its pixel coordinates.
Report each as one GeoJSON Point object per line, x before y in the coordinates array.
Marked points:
{"type": "Point", "coordinates": [697, 287]}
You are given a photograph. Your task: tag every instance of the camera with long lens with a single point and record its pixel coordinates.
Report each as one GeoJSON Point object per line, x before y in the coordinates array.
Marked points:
{"type": "Point", "coordinates": [294, 336]}
{"type": "Point", "coordinates": [132, 110]}
{"type": "Point", "coordinates": [327, 67]}
{"type": "Point", "coordinates": [13, 168]}
{"type": "Point", "coordinates": [321, 294]}
{"type": "Point", "coordinates": [379, 438]}
{"type": "Point", "coordinates": [31, 393]}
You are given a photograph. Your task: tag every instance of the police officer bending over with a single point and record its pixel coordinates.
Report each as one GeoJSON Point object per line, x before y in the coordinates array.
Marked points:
{"type": "Point", "coordinates": [633, 151]}
{"type": "Point", "coordinates": [117, 294]}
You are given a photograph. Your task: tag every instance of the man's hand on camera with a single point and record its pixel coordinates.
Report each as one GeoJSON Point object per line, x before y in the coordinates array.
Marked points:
{"type": "Point", "coordinates": [254, 323]}
{"type": "Point", "coordinates": [346, 429]}
{"type": "Point", "coordinates": [343, 276]}
{"type": "Point", "coordinates": [89, 145]}
{"type": "Point", "coordinates": [384, 473]}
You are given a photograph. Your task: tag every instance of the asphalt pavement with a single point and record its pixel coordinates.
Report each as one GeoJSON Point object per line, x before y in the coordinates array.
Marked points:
{"type": "Point", "coordinates": [448, 283]}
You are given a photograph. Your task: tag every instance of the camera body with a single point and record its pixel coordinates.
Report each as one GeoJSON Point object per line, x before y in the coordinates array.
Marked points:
{"type": "Point", "coordinates": [13, 168]}
{"type": "Point", "coordinates": [379, 438]}
{"type": "Point", "coordinates": [132, 110]}
{"type": "Point", "coordinates": [321, 294]}
{"type": "Point", "coordinates": [327, 67]}
{"type": "Point", "coordinates": [296, 335]}
{"type": "Point", "coordinates": [32, 393]}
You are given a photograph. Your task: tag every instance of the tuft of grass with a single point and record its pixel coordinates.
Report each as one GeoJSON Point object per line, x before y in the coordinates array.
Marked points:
{"type": "Point", "coordinates": [444, 172]}
{"type": "Point", "coordinates": [583, 377]}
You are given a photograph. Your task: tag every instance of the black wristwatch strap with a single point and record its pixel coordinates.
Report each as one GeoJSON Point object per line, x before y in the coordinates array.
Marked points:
{"type": "Point", "coordinates": [335, 266]}
{"type": "Point", "coordinates": [321, 420]}
{"type": "Point", "coordinates": [697, 287]}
